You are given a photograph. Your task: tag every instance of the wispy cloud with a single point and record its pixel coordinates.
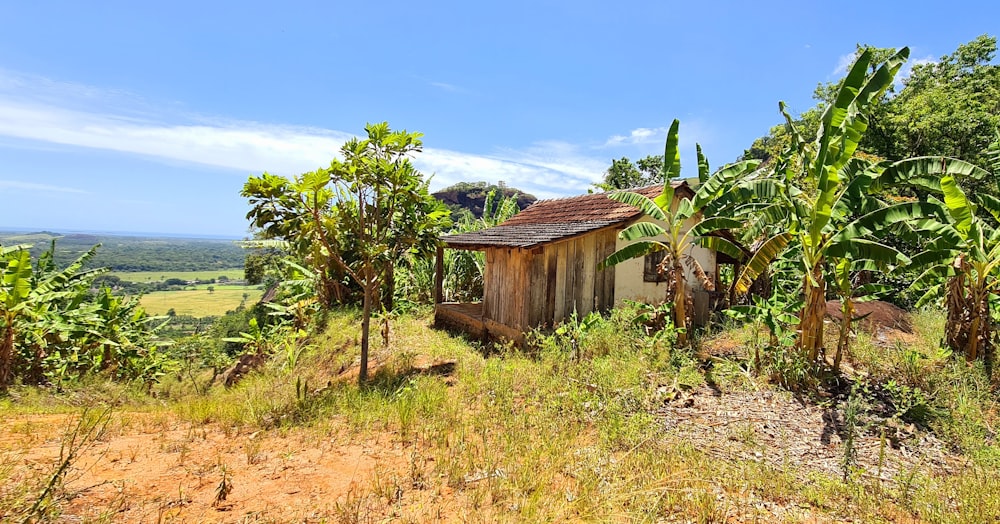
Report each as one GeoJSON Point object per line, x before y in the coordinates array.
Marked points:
{"type": "Point", "coordinates": [691, 132]}
{"type": "Point", "coordinates": [45, 188]}
{"type": "Point", "coordinates": [843, 63]}
{"type": "Point", "coordinates": [640, 136]}
{"type": "Point", "coordinates": [437, 83]}
{"type": "Point", "coordinates": [246, 146]}
{"type": "Point", "coordinates": [56, 117]}
{"type": "Point", "coordinates": [451, 88]}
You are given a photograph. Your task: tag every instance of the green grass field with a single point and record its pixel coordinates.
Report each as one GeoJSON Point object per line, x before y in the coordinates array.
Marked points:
{"type": "Point", "coordinates": [159, 276]}
{"type": "Point", "coordinates": [199, 302]}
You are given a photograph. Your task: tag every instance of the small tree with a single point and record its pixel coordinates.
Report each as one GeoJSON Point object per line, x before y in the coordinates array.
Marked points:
{"type": "Point", "coordinates": [357, 218]}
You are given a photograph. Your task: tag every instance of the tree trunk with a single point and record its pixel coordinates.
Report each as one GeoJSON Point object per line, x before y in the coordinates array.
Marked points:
{"type": "Point", "coordinates": [366, 320]}
{"type": "Point", "coordinates": [6, 354]}
{"type": "Point", "coordinates": [959, 311]}
{"type": "Point", "coordinates": [390, 287]}
{"type": "Point", "coordinates": [680, 303]}
{"type": "Point", "coordinates": [971, 352]}
{"type": "Point", "coordinates": [978, 325]}
{"type": "Point", "coordinates": [812, 314]}
{"type": "Point", "coordinates": [847, 310]}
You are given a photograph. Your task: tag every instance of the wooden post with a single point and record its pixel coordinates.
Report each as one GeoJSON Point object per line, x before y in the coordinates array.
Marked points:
{"type": "Point", "coordinates": [439, 275]}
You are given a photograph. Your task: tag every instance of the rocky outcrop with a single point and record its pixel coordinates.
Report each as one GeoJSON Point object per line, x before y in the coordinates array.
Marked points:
{"type": "Point", "coordinates": [472, 196]}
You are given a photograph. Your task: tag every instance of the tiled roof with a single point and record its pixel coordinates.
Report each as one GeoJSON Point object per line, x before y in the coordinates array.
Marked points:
{"type": "Point", "coordinates": [555, 219]}
{"type": "Point", "coordinates": [526, 235]}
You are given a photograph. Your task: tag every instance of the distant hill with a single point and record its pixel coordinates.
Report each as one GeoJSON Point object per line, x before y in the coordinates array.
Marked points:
{"type": "Point", "coordinates": [134, 253]}
{"type": "Point", "coordinates": [472, 196]}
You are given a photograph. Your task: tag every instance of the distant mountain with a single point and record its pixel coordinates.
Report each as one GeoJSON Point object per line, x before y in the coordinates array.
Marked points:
{"type": "Point", "coordinates": [472, 196]}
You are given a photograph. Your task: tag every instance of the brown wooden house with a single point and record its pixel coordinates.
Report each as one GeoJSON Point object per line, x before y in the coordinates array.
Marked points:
{"type": "Point", "coordinates": [541, 266]}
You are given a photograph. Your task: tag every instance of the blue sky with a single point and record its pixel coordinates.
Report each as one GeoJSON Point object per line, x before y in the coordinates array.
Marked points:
{"type": "Point", "coordinates": [149, 116]}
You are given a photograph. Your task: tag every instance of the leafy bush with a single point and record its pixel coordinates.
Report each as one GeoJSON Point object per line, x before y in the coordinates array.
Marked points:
{"type": "Point", "coordinates": [55, 329]}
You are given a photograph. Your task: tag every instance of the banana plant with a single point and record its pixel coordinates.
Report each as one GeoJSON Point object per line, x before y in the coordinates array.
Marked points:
{"type": "Point", "coordinates": [672, 231]}
{"type": "Point", "coordinates": [815, 190]}
{"type": "Point", "coordinates": [963, 259]}
{"type": "Point", "coordinates": [15, 287]}
{"type": "Point", "coordinates": [34, 302]}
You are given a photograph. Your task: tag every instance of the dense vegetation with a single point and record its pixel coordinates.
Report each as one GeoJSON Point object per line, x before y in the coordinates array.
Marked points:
{"type": "Point", "coordinates": [125, 253]}
{"type": "Point", "coordinates": [948, 107]}
{"type": "Point", "coordinates": [53, 327]}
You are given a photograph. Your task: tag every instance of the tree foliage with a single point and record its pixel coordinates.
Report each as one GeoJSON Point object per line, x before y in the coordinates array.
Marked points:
{"type": "Point", "coordinates": [355, 220]}
{"type": "Point", "coordinates": [949, 107]}
{"type": "Point", "coordinates": [52, 327]}
{"type": "Point", "coordinates": [625, 174]}
{"type": "Point", "coordinates": [946, 108]}
{"type": "Point", "coordinates": [673, 230]}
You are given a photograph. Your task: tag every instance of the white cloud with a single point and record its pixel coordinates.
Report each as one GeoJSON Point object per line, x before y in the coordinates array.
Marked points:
{"type": "Point", "coordinates": [451, 88]}
{"type": "Point", "coordinates": [45, 188]}
{"type": "Point", "coordinates": [246, 146]}
{"type": "Point", "coordinates": [639, 136]}
{"type": "Point", "coordinates": [907, 68]}
{"type": "Point", "coordinates": [49, 113]}
{"type": "Point", "coordinates": [551, 169]}
{"type": "Point", "coordinates": [843, 63]}
{"type": "Point", "coordinates": [55, 117]}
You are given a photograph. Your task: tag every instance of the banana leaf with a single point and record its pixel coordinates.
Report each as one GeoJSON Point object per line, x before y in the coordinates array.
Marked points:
{"type": "Point", "coordinates": [767, 252]}
{"type": "Point", "coordinates": [647, 206]}
{"type": "Point", "coordinates": [638, 249]}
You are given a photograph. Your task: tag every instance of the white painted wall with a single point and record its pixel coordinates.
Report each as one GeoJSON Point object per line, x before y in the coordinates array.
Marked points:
{"type": "Point", "coordinates": [630, 285]}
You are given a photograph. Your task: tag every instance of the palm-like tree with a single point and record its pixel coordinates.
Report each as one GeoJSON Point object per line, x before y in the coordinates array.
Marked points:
{"type": "Point", "coordinates": [813, 191]}
{"type": "Point", "coordinates": [963, 259]}
{"type": "Point", "coordinates": [672, 231]}
{"type": "Point", "coordinates": [33, 300]}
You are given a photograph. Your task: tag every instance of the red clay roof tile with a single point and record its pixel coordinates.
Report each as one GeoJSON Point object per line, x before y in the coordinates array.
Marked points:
{"type": "Point", "coordinates": [555, 219]}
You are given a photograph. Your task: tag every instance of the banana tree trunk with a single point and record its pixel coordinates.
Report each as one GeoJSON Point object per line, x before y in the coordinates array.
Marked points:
{"type": "Point", "coordinates": [972, 351]}
{"type": "Point", "coordinates": [812, 314]}
{"type": "Point", "coordinates": [847, 310]}
{"type": "Point", "coordinates": [979, 325]}
{"type": "Point", "coordinates": [6, 356]}
{"type": "Point", "coordinates": [680, 302]}
{"type": "Point", "coordinates": [959, 312]}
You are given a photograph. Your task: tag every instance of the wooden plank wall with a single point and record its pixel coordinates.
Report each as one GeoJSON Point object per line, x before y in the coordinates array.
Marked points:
{"type": "Point", "coordinates": [564, 278]}
{"type": "Point", "coordinates": [542, 287]}
{"type": "Point", "coordinates": [506, 286]}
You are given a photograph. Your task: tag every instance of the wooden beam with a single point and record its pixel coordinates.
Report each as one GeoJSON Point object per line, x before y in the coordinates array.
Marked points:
{"type": "Point", "coordinates": [439, 275]}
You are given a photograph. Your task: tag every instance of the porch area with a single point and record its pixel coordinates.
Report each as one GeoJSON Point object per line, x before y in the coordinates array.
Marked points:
{"type": "Point", "coordinates": [468, 318]}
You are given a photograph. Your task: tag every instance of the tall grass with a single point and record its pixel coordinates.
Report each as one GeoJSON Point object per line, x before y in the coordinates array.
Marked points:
{"type": "Point", "coordinates": [556, 432]}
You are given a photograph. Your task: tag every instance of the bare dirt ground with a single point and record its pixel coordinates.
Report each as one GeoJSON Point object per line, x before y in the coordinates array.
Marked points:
{"type": "Point", "coordinates": [886, 322]}
{"type": "Point", "coordinates": [153, 469]}
{"type": "Point", "coordinates": [159, 468]}
{"type": "Point", "coordinates": [781, 430]}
